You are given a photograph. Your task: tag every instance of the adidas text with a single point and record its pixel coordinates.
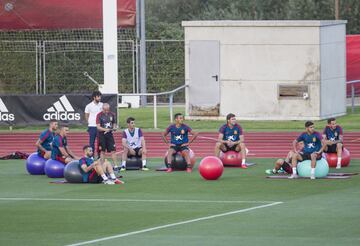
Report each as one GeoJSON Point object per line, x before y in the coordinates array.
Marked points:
{"type": "Point", "coordinates": [61, 116]}
{"type": "Point", "coordinates": [7, 117]}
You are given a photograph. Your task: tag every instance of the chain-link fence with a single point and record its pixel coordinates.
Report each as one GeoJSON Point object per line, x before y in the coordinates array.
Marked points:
{"type": "Point", "coordinates": [18, 67]}
{"type": "Point", "coordinates": [67, 61]}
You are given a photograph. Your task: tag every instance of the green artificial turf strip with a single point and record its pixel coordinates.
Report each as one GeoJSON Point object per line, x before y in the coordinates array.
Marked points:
{"type": "Point", "coordinates": [320, 212]}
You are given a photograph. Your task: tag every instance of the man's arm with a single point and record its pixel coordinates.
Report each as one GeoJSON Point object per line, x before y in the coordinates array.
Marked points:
{"type": "Point", "coordinates": [71, 154]}
{"type": "Point", "coordinates": [86, 168]}
{"type": "Point", "coordinates": [38, 144]}
{"type": "Point", "coordinates": [163, 135]}
{"type": "Point", "coordinates": [220, 138]}
{"type": "Point", "coordinates": [241, 139]}
{"type": "Point", "coordinates": [102, 129]}
{"type": "Point", "coordinates": [86, 116]}
{"type": "Point", "coordinates": [124, 143]}
{"type": "Point", "coordinates": [194, 136]}
{"type": "Point", "coordinates": [143, 145]}
{"type": "Point", "coordinates": [294, 143]}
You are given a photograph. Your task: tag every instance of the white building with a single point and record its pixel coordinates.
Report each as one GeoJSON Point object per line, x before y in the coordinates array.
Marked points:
{"type": "Point", "coordinates": [265, 70]}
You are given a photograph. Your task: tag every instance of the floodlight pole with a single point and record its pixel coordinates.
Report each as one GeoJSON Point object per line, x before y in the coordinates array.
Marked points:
{"type": "Point", "coordinates": [142, 51]}
{"type": "Point", "coordinates": [110, 47]}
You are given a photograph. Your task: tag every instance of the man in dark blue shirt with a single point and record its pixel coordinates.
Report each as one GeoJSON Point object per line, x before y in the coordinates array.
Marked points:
{"type": "Point", "coordinates": [313, 148]}
{"type": "Point", "coordinates": [333, 139]}
{"type": "Point", "coordinates": [95, 171]}
{"type": "Point", "coordinates": [179, 140]}
{"type": "Point", "coordinates": [44, 143]}
{"type": "Point", "coordinates": [231, 137]}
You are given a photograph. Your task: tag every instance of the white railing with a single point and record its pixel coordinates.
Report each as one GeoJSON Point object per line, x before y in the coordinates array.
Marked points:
{"type": "Point", "coordinates": [352, 82]}
{"type": "Point", "coordinates": [155, 95]}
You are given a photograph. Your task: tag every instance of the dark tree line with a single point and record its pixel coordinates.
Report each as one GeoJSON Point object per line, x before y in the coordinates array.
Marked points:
{"type": "Point", "coordinates": [164, 16]}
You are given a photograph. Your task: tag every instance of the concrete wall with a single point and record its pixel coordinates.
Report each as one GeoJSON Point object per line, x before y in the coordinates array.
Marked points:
{"type": "Point", "coordinates": [257, 56]}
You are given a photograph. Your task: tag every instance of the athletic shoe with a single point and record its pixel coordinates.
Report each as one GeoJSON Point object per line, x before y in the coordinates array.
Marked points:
{"type": "Point", "coordinates": [122, 169]}
{"type": "Point", "coordinates": [243, 166]}
{"type": "Point", "coordinates": [188, 169]}
{"type": "Point", "coordinates": [293, 176]}
{"type": "Point", "coordinates": [338, 166]}
{"type": "Point", "coordinates": [281, 170]}
{"type": "Point", "coordinates": [169, 170]}
{"type": "Point", "coordinates": [116, 169]}
{"type": "Point", "coordinates": [144, 168]}
{"type": "Point", "coordinates": [108, 182]}
{"type": "Point", "coordinates": [118, 181]}
{"type": "Point", "coordinates": [269, 171]}
{"type": "Point", "coordinates": [312, 177]}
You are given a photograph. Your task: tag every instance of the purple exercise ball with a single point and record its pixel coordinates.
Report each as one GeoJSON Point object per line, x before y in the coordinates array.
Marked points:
{"type": "Point", "coordinates": [54, 169]}
{"type": "Point", "coordinates": [35, 164]}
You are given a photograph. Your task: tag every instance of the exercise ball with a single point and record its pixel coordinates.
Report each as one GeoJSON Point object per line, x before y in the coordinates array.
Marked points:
{"type": "Point", "coordinates": [133, 163]}
{"type": "Point", "coordinates": [211, 168]}
{"type": "Point", "coordinates": [178, 161]}
{"type": "Point", "coordinates": [332, 158]}
{"type": "Point", "coordinates": [54, 169]}
{"type": "Point", "coordinates": [35, 164]}
{"type": "Point", "coordinates": [321, 168]}
{"type": "Point", "coordinates": [230, 158]}
{"type": "Point", "coordinates": [72, 172]}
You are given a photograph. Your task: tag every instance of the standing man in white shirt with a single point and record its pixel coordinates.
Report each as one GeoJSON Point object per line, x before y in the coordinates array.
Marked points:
{"type": "Point", "coordinates": [91, 111]}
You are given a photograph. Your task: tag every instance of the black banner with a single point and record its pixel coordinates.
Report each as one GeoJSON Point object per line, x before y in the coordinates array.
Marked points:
{"type": "Point", "coordinates": [20, 110]}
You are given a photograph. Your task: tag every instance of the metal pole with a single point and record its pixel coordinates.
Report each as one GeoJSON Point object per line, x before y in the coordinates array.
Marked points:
{"type": "Point", "coordinates": [44, 70]}
{"type": "Point", "coordinates": [143, 83]}
{"type": "Point", "coordinates": [40, 68]}
{"type": "Point", "coordinates": [133, 65]}
{"type": "Point", "coordinates": [155, 112]}
{"type": "Point", "coordinates": [36, 68]}
{"type": "Point", "coordinates": [171, 99]}
{"type": "Point", "coordinates": [352, 98]}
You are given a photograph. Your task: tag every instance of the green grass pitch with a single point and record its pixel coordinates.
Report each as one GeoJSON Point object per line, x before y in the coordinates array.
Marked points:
{"type": "Point", "coordinates": [319, 212]}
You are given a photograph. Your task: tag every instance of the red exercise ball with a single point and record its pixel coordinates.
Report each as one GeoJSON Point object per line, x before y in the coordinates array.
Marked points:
{"type": "Point", "coordinates": [332, 158]}
{"type": "Point", "coordinates": [211, 168]}
{"type": "Point", "coordinates": [231, 158]}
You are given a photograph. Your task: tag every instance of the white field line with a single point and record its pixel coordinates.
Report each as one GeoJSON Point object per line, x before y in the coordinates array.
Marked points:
{"type": "Point", "coordinates": [175, 224]}
{"type": "Point", "coordinates": [122, 200]}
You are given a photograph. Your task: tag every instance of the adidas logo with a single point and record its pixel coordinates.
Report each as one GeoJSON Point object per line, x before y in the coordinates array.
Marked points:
{"type": "Point", "coordinates": [61, 110]}
{"type": "Point", "coordinates": [4, 113]}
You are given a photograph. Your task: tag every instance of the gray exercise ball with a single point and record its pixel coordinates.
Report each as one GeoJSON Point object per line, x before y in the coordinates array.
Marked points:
{"type": "Point", "coordinates": [72, 172]}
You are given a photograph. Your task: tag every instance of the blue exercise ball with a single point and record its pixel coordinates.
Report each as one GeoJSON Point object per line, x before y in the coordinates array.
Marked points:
{"type": "Point", "coordinates": [54, 169]}
{"type": "Point", "coordinates": [35, 164]}
{"type": "Point", "coordinates": [321, 168]}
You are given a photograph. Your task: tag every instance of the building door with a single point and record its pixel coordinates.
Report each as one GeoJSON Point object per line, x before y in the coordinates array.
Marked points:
{"type": "Point", "coordinates": [204, 75]}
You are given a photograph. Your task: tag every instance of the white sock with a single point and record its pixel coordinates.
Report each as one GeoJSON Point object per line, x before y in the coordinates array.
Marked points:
{"type": "Point", "coordinates": [112, 176]}
{"type": "Point", "coordinates": [243, 162]}
{"type": "Point", "coordinates": [339, 161]}
{"type": "Point", "coordinates": [312, 172]}
{"type": "Point", "coordinates": [144, 163]}
{"type": "Point", "coordinates": [123, 164]}
{"type": "Point", "coordinates": [104, 177]}
{"type": "Point", "coordinates": [294, 170]}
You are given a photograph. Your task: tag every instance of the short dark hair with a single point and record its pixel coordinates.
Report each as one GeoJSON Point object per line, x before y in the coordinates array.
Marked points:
{"type": "Point", "coordinates": [331, 119]}
{"type": "Point", "coordinates": [53, 120]}
{"type": "Point", "coordinates": [86, 146]}
{"type": "Point", "coordinates": [177, 115]}
{"type": "Point", "coordinates": [309, 123]}
{"type": "Point", "coordinates": [229, 116]}
{"type": "Point", "coordinates": [63, 126]}
{"type": "Point", "coordinates": [128, 120]}
{"type": "Point", "coordinates": [96, 94]}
